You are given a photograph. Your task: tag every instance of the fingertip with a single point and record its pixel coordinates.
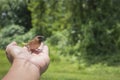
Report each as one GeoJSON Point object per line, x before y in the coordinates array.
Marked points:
{"type": "Point", "coordinates": [14, 43]}
{"type": "Point", "coordinates": [46, 49]}
{"type": "Point", "coordinates": [41, 46]}
{"type": "Point", "coordinates": [11, 44]}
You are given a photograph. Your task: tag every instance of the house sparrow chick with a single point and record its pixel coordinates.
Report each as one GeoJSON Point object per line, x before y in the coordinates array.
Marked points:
{"type": "Point", "coordinates": [34, 44]}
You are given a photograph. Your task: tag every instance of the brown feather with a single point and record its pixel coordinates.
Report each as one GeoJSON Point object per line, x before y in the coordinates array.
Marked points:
{"type": "Point", "coordinates": [34, 43]}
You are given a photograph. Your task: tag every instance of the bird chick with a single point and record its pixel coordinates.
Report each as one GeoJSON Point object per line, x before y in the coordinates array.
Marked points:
{"type": "Point", "coordinates": [34, 44]}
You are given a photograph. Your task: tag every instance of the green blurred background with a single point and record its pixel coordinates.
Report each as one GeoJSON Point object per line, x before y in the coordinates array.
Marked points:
{"type": "Point", "coordinates": [83, 35]}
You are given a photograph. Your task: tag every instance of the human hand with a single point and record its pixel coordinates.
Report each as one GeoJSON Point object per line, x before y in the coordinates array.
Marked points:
{"type": "Point", "coordinates": [40, 60]}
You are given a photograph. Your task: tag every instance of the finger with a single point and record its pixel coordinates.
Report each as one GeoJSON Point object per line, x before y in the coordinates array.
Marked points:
{"type": "Point", "coordinates": [45, 53]}
{"type": "Point", "coordinates": [10, 45]}
{"type": "Point", "coordinates": [41, 46]}
{"type": "Point", "coordinates": [45, 50]}
{"type": "Point", "coordinates": [13, 43]}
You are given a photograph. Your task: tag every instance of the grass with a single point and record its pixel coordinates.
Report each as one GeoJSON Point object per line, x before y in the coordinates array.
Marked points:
{"type": "Point", "coordinates": [67, 70]}
{"type": "Point", "coordinates": [4, 64]}
{"type": "Point", "coordinates": [70, 71]}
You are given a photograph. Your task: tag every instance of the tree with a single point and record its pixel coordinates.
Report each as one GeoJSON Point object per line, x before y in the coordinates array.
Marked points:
{"type": "Point", "coordinates": [15, 12]}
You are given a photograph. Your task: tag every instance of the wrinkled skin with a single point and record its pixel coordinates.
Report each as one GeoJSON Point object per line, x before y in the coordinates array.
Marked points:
{"type": "Point", "coordinates": [40, 60]}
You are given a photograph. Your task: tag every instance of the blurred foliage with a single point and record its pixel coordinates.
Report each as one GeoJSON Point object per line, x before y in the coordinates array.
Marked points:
{"type": "Point", "coordinates": [9, 33]}
{"type": "Point", "coordinates": [15, 12]}
{"type": "Point", "coordinates": [87, 29]}
{"type": "Point", "coordinates": [49, 16]}
{"type": "Point", "coordinates": [92, 27]}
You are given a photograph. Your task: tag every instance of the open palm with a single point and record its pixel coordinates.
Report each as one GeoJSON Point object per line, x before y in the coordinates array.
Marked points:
{"type": "Point", "coordinates": [40, 59]}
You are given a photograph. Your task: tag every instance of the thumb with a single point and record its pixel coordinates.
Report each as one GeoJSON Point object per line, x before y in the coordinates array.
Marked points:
{"type": "Point", "coordinates": [10, 45]}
